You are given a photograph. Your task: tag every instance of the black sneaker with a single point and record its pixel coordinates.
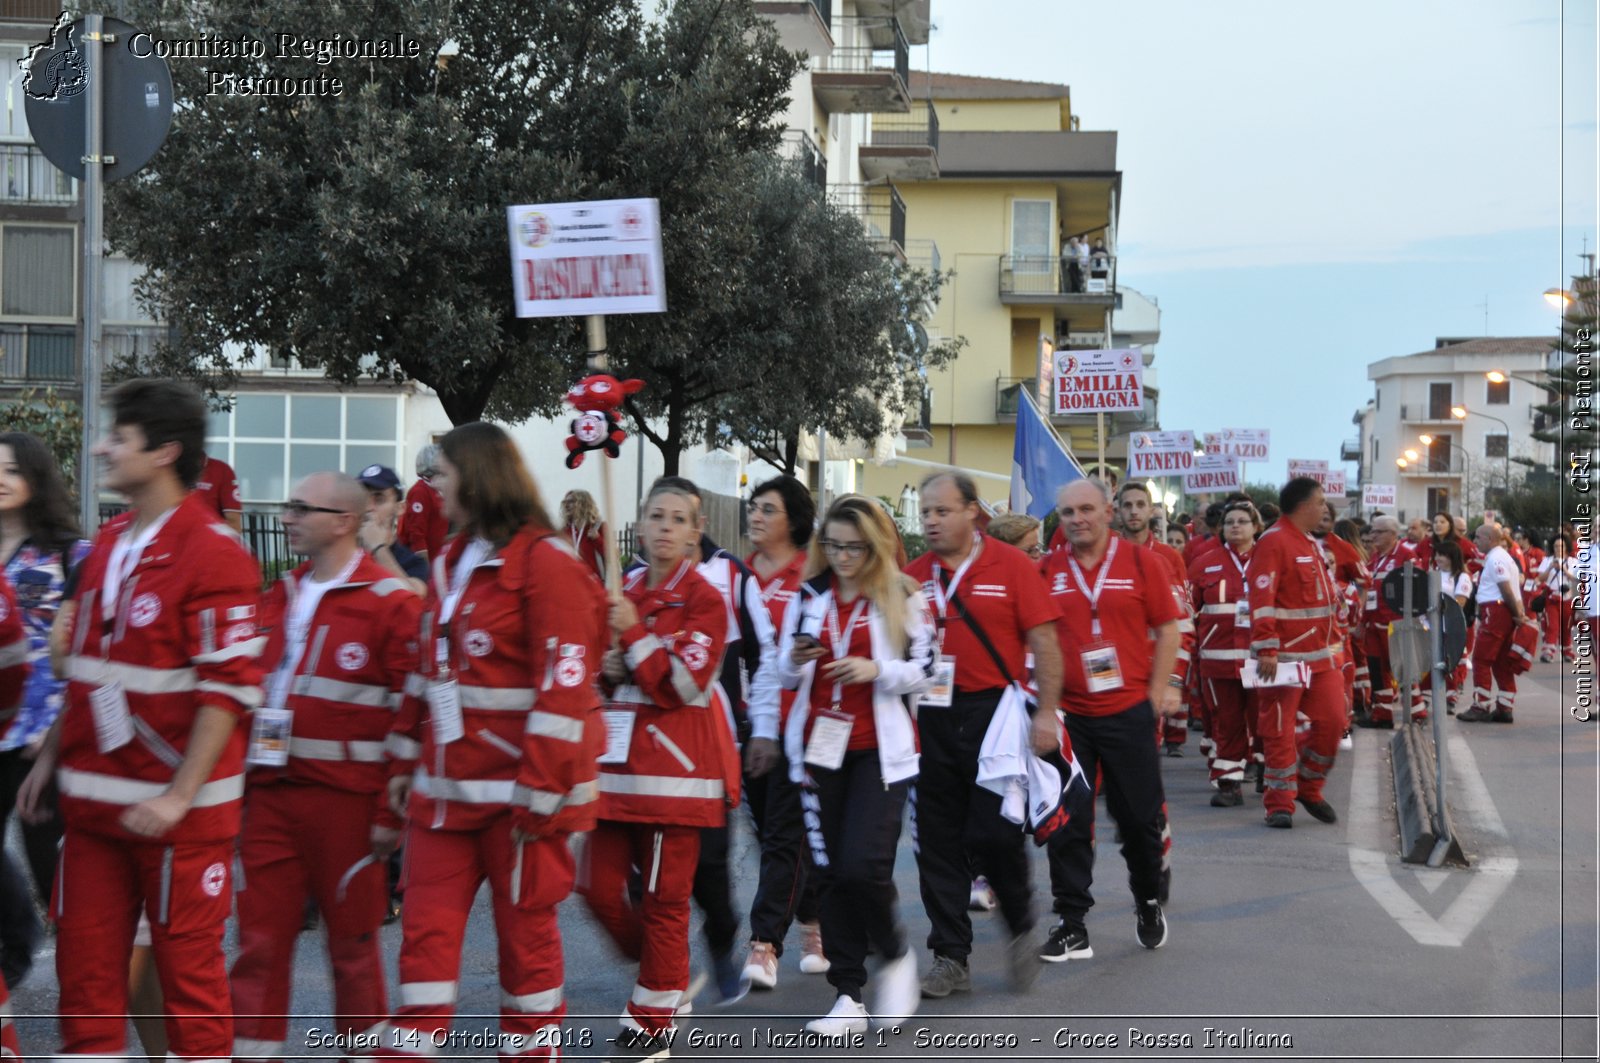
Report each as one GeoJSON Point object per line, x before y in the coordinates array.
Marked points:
{"type": "Point", "coordinates": [1229, 795]}
{"type": "Point", "coordinates": [1066, 943]}
{"type": "Point", "coordinates": [946, 976]}
{"type": "Point", "coordinates": [1476, 714]}
{"type": "Point", "coordinates": [1152, 925]}
{"type": "Point", "coordinates": [637, 1046]}
{"type": "Point", "coordinates": [1500, 716]}
{"type": "Point", "coordinates": [1174, 749]}
{"type": "Point", "coordinates": [1281, 820]}
{"type": "Point", "coordinates": [1320, 810]}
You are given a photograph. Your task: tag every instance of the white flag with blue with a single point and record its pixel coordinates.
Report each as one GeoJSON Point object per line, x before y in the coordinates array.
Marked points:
{"type": "Point", "coordinates": [1040, 465]}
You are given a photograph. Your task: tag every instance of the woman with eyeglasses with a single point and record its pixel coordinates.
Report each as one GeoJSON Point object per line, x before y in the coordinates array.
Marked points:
{"type": "Point", "coordinates": [1222, 630]}
{"type": "Point", "coordinates": [855, 645]}
{"type": "Point", "coordinates": [493, 755]}
{"type": "Point", "coordinates": [1019, 530]}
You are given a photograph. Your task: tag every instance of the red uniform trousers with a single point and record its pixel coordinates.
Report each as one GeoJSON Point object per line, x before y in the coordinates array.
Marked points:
{"type": "Point", "coordinates": [1558, 625]}
{"type": "Point", "coordinates": [1323, 705]}
{"type": "Point", "coordinates": [1361, 688]}
{"type": "Point", "coordinates": [443, 872]}
{"type": "Point", "coordinates": [656, 930]}
{"type": "Point", "coordinates": [301, 840]}
{"type": "Point", "coordinates": [1491, 659]}
{"type": "Point", "coordinates": [9, 1049]}
{"type": "Point", "coordinates": [1230, 703]}
{"type": "Point", "coordinates": [101, 884]}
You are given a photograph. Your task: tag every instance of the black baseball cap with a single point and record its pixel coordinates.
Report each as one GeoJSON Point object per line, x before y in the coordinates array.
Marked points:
{"type": "Point", "coordinates": [379, 476]}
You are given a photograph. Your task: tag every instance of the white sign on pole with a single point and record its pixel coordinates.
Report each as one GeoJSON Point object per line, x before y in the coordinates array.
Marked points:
{"type": "Point", "coordinates": [1246, 444]}
{"type": "Point", "coordinates": [577, 259]}
{"type": "Point", "coordinates": [1103, 381]}
{"type": "Point", "coordinates": [1211, 473]}
{"type": "Point", "coordinates": [1305, 467]}
{"type": "Point", "coordinates": [1160, 453]}
{"type": "Point", "coordinates": [1334, 484]}
{"type": "Point", "coordinates": [1378, 495]}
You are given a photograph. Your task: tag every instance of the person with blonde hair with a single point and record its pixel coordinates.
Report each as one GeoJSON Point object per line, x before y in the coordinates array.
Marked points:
{"type": "Point", "coordinates": [584, 529]}
{"type": "Point", "coordinates": [855, 644]}
{"type": "Point", "coordinates": [1019, 530]}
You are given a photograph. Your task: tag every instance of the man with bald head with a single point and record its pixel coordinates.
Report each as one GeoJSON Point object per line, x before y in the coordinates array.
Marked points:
{"type": "Point", "coordinates": [1500, 611]}
{"type": "Point", "coordinates": [342, 636]}
{"type": "Point", "coordinates": [1112, 594]}
{"type": "Point", "coordinates": [1389, 552]}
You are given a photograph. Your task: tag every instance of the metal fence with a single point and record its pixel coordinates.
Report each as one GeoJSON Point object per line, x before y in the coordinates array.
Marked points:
{"type": "Point", "coordinates": [261, 531]}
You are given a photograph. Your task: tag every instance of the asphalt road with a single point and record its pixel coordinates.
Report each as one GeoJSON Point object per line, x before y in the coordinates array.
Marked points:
{"type": "Point", "coordinates": [1315, 943]}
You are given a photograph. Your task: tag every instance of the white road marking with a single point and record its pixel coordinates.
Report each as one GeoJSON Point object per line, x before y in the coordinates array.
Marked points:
{"type": "Point", "coordinates": [1430, 878]}
{"type": "Point", "coordinates": [1373, 864]}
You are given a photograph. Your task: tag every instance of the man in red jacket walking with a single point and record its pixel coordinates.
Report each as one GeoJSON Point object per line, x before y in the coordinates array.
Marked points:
{"type": "Point", "coordinates": [1293, 624]}
{"type": "Point", "coordinates": [341, 636]}
{"type": "Point", "coordinates": [148, 755]}
{"type": "Point", "coordinates": [423, 524]}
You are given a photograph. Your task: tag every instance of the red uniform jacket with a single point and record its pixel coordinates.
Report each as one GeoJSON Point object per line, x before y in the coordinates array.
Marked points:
{"type": "Point", "coordinates": [1216, 584]}
{"type": "Point", "coordinates": [423, 525]}
{"type": "Point", "coordinates": [361, 646]}
{"type": "Point", "coordinates": [1375, 612]}
{"type": "Point", "coordinates": [1350, 578]}
{"type": "Point", "coordinates": [14, 666]}
{"type": "Point", "coordinates": [682, 766]}
{"type": "Point", "coordinates": [1172, 560]}
{"type": "Point", "coordinates": [523, 647]}
{"type": "Point", "coordinates": [590, 543]}
{"type": "Point", "coordinates": [1292, 599]}
{"type": "Point", "coordinates": [183, 637]}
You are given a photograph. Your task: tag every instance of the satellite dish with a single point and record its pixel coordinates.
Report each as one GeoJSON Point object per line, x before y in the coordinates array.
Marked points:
{"type": "Point", "coordinates": [136, 96]}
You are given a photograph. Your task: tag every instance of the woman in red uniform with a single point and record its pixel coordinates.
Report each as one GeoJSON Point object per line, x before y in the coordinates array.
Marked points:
{"type": "Point", "coordinates": [855, 645]}
{"type": "Point", "coordinates": [669, 769]}
{"type": "Point", "coordinates": [493, 753]}
{"type": "Point", "coordinates": [581, 524]}
{"type": "Point", "coordinates": [1222, 631]}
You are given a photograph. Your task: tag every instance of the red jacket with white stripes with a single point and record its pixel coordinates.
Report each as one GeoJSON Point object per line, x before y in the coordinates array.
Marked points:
{"type": "Point", "coordinates": [682, 766]}
{"type": "Point", "coordinates": [523, 647]}
{"type": "Point", "coordinates": [1375, 611]}
{"type": "Point", "coordinates": [14, 665]}
{"type": "Point", "coordinates": [1173, 562]}
{"type": "Point", "coordinates": [361, 646]}
{"type": "Point", "coordinates": [1216, 582]}
{"type": "Point", "coordinates": [1292, 599]}
{"type": "Point", "coordinates": [1350, 577]}
{"type": "Point", "coordinates": [182, 637]}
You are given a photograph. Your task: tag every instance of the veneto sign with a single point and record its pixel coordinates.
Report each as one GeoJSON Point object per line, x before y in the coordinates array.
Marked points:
{"type": "Point", "coordinates": [1211, 473]}
{"type": "Point", "coordinates": [1099, 381]}
{"type": "Point", "coordinates": [1246, 444]}
{"type": "Point", "coordinates": [1160, 453]}
{"type": "Point", "coordinates": [575, 259]}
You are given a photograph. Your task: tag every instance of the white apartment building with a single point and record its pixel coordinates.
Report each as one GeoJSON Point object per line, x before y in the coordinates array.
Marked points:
{"type": "Point", "coordinates": [1447, 434]}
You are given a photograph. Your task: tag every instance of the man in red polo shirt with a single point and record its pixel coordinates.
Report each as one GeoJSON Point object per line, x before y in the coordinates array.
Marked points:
{"type": "Point", "coordinates": [1293, 622]}
{"type": "Point", "coordinates": [1111, 598]}
{"type": "Point", "coordinates": [220, 488]}
{"type": "Point", "coordinates": [423, 525]}
{"type": "Point", "coordinates": [991, 611]}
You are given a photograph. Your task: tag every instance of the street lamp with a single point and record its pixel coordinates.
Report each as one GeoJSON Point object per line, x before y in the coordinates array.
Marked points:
{"type": "Point", "coordinates": [1412, 455]}
{"type": "Point", "coordinates": [1401, 462]}
{"type": "Point", "coordinates": [1460, 413]}
{"type": "Point", "coordinates": [1559, 298]}
{"type": "Point", "coordinates": [1425, 439]}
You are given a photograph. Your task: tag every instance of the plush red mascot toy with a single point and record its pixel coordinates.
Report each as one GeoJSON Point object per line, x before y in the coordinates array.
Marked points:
{"type": "Point", "coordinates": [598, 425]}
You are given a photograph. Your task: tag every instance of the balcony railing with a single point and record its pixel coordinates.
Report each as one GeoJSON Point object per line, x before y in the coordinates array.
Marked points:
{"type": "Point", "coordinates": [1423, 412]}
{"type": "Point", "coordinates": [1350, 449]}
{"type": "Point", "coordinates": [916, 129]}
{"type": "Point", "coordinates": [26, 176]}
{"type": "Point", "coordinates": [1043, 275]}
{"type": "Point", "coordinates": [807, 156]}
{"type": "Point", "coordinates": [871, 40]}
{"type": "Point", "coordinates": [881, 210]}
{"type": "Point", "coordinates": [924, 254]}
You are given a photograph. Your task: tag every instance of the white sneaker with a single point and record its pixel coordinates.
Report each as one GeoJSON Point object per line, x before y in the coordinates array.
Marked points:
{"type": "Point", "coordinates": [1347, 742]}
{"type": "Point", "coordinates": [761, 966]}
{"type": "Point", "coordinates": [847, 1017]}
{"type": "Point", "coordinates": [812, 959]}
{"type": "Point", "coordinates": [981, 899]}
{"type": "Point", "coordinates": [896, 990]}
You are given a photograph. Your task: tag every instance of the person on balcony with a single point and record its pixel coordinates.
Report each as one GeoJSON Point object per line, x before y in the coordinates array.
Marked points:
{"type": "Point", "coordinates": [1072, 254]}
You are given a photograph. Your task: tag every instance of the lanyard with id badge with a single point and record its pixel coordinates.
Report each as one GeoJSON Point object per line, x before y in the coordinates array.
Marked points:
{"type": "Point", "coordinates": [108, 702]}
{"type": "Point", "coordinates": [830, 729]}
{"type": "Point", "coordinates": [444, 694]}
{"type": "Point", "coordinates": [1101, 669]}
{"type": "Point", "coordinates": [1241, 608]}
{"type": "Point", "coordinates": [941, 692]}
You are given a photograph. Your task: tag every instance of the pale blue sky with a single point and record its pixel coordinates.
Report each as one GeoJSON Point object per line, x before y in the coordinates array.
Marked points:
{"type": "Point", "coordinates": [1310, 189]}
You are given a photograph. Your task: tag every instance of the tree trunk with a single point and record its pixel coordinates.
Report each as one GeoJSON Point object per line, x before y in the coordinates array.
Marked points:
{"type": "Point", "coordinates": [791, 452]}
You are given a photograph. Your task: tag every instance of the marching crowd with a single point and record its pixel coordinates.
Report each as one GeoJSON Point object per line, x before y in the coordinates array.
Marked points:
{"type": "Point", "coordinates": [181, 746]}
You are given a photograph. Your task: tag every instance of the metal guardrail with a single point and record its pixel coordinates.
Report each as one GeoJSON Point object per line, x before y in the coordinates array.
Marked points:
{"type": "Point", "coordinates": [923, 253]}
{"type": "Point", "coordinates": [917, 128]}
{"type": "Point", "coordinates": [26, 176]}
{"type": "Point", "coordinates": [857, 58]}
{"type": "Point", "coordinates": [1048, 275]}
{"type": "Point", "coordinates": [1417, 411]}
{"type": "Point", "coordinates": [805, 154]}
{"type": "Point", "coordinates": [884, 216]}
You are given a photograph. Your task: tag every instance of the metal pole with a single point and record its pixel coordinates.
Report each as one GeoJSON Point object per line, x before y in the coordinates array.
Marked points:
{"type": "Point", "coordinates": [93, 240]}
{"type": "Point", "coordinates": [1441, 826]}
{"type": "Point", "coordinates": [1406, 692]}
{"type": "Point", "coordinates": [595, 328]}
{"type": "Point", "coordinates": [822, 470]}
{"type": "Point", "coordinates": [1100, 444]}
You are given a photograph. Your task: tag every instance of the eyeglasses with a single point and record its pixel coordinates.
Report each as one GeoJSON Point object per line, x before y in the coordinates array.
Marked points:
{"type": "Point", "coordinates": [1035, 551]}
{"type": "Point", "coordinates": [768, 510]}
{"type": "Point", "coordinates": [298, 509]}
{"type": "Point", "coordinates": [844, 549]}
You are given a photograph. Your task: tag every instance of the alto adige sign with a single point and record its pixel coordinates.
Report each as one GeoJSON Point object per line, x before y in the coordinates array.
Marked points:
{"type": "Point", "coordinates": [1099, 381]}
{"type": "Point", "coordinates": [576, 259]}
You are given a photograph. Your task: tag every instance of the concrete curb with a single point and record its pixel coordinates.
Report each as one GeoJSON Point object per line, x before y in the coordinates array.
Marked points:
{"type": "Point", "coordinates": [1416, 800]}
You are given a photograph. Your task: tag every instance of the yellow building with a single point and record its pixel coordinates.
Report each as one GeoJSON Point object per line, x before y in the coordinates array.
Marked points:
{"type": "Point", "coordinates": [997, 179]}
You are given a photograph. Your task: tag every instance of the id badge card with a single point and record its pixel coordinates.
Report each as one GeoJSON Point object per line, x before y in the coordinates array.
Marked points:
{"type": "Point", "coordinates": [441, 654]}
{"type": "Point", "coordinates": [619, 735]}
{"type": "Point", "coordinates": [1372, 601]}
{"type": "Point", "coordinates": [943, 688]}
{"type": "Point", "coordinates": [444, 705]}
{"type": "Point", "coordinates": [269, 737]}
{"type": "Point", "coordinates": [830, 737]}
{"type": "Point", "coordinates": [1101, 668]}
{"type": "Point", "coordinates": [113, 724]}
{"type": "Point", "coordinates": [1241, 614]}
